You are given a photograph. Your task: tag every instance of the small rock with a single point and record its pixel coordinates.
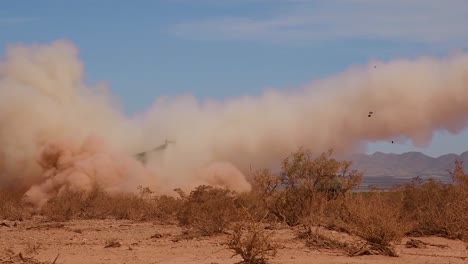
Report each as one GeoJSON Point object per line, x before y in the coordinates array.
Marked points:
{"type": "Point", "coordinates": [157, 235]}
{"type": "Point", "coordinates": [112, 243]}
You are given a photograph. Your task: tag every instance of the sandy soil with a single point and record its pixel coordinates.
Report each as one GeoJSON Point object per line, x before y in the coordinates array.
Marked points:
{"type": "Point", "coordinates": [85, 241]}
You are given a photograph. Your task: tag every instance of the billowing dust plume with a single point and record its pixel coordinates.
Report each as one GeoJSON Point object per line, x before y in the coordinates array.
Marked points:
{"type": "Point", "coordinates": [59, 133]}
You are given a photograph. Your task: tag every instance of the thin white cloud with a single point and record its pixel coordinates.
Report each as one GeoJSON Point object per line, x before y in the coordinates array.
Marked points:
{"type": "Point", "coordinates": [431, 21]}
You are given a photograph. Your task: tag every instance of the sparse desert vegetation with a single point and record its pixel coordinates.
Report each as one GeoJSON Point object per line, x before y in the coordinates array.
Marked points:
{"type": "Point", "coordinates": [309, 204]}
{"type": "Point", "coordinates": [252, 242]}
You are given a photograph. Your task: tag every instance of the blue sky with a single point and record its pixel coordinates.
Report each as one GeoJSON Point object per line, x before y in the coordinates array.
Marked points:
{"type": "Point", "coordinates": [226, 48]}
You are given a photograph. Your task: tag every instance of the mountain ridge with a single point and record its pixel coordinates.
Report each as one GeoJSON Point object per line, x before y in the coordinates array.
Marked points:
{"type": "Point", "coordinates": [406, 165]}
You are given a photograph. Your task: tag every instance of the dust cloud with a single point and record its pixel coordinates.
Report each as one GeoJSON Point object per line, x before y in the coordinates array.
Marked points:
{"type": "Point", "coordinates": [58, 133]}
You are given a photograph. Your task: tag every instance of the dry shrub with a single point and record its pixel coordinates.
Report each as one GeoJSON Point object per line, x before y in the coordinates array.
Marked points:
{"type": "Point", "coordinates": [185, 235]}
{"type": "Point", "coordinates": [262, 200]}
{"type": "Point", "coordinates": [209, 210]}
{"type": "Point", "coordinates": [334, 215]}
{"type": "Point", "coordinates": [11, 207]}
{"type": "Point", "coordinates": [255, 208]}
{"type": "Point", "coordinates": [10, 257]}
{"type": "Point", "coordinates": [20, 258]}
{"type": "Point", "coordinates": [315, 238]}
{"type": "Point", "coordinates": [303, 181]}
{"type": "Point", "coordinates": [32, 247]}
{"type": "Point", "coordinates": [313, 233]}
{"type": "Point", "coordinates": [112, 243]}
{"type": "Point", "coordinates": [64, 206]}
{"type": "Point", "coordinates": [97, 204]}
{"type": "Point", "coordinates": [319, 240]}
{"type": "Point", "coordinates": [376, 218]}
{"type": "Point", "coordinates": [359, 248]}
{"type": "Point", "coordinates": [440, 209]}
{"type": "Point", "coordinates": [166, 208]}
{"type": "Point", "coordinates": [124, 206]}
{"type": "Point", "coordinates": [322, 216]}
{"type": "Point", "coordinates": [415, 243]}
{"type": "Point", "coordinates": [458, 174]}
{"type": "Point", "coordinates": [252, 242]}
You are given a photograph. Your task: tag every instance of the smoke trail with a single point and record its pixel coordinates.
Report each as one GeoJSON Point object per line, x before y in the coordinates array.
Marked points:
{"type": "Point", "coordinates": [57, 133]}
{"type": "Point", "coordinates": [409, 99]}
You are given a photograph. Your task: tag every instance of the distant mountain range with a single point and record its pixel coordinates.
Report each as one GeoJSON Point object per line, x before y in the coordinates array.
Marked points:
{"type": "Point", "coordinates": [409, 164]}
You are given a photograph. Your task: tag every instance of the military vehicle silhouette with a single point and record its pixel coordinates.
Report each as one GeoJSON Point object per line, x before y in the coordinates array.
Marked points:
{"type": "Point", "coordinates": [143, 156]}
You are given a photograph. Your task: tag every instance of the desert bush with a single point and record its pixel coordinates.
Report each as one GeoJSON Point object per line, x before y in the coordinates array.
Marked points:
{"type": "Point", "coordinates": [11, 207]}
{"type": "Point", "coordinates": [260, 200]}
{"type": "Point", "coordinates": [321, 174]}
{"type": "Point", "coordinates": [266, 193]}
{"type": "Point", "coordinates": [302, 184]}
{"type": "Point", "coordinates": [166, 208]}
{"type": "Point", "coordinates": [316, 238]}
{"type": "Point", "coordinates": [209, 210]}
{"type": "Point", "coordinates": [26, 256]}
{"type": "Point", "coordinates": [97, 204]}
{"type": "Point", "coordinates": [124, 206]}
{"type": "Point", "coordinates": [324, 215]}
{"type": "Point", "coordinates": [253, 206]}
{"type": "Point", "coordinates": [376, 218]}
{"type": "Point", "coordinates": [145, 193]}
{"type": "Point", "coordinates": [252, 242]}
{"type": "Point", "coordinates": [458, 174]}
{"type": "Point", "coordinates": [437, 208]}
{"type": "Point", "coordinates": [161, 207]}
{"type": "Point", "coordinates": [64, 206]}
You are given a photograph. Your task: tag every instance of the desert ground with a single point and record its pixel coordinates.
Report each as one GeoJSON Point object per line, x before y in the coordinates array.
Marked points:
{"type": "Point", "coordinates": [126, 241]}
